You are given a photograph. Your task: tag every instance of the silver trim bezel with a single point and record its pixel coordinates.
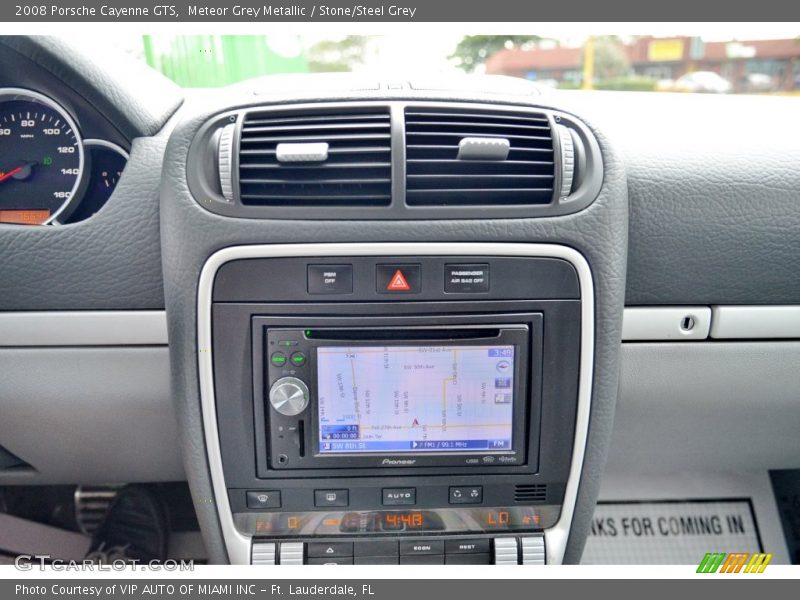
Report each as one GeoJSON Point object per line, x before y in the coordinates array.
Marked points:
{"type": "Point", "coordinates": [664, 323]}
{"type": "Point", "coordinates": [109, 145]}
{"type": "Point", "coordinates": [755, 322]}
{"type": "Point", "coordinates": [237, 544]}
{"type": "Point", "coordinates": [83, 328]}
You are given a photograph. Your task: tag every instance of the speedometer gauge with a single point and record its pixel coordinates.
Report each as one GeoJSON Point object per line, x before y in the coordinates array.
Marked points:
{"type": "Point", "coordinates": [41, 158]}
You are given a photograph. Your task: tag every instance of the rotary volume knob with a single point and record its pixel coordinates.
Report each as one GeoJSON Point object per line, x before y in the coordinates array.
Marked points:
{"type": "Point", "coordinates": [289, 396]}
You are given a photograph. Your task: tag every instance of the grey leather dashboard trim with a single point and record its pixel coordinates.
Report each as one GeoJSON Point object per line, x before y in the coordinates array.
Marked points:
{"type": "Point", "coordinates": [83, 328]}
{"type": "Point", "coordinates": [190, 234]}
{"type": "Point", "coordinates": [755, 322]}
{"type": "Point", "coordinates": [714, 194]}
{"type": "Point", "coordinates": [674, 323]}
{"type": "Point", "coordinates": [238, 545]}
{"type": "Point", "coordinates": [111, 261]}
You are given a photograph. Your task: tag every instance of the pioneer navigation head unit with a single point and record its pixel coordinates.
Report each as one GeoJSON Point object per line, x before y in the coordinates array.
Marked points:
{"type": "Point", "coordinates": [389, 397]}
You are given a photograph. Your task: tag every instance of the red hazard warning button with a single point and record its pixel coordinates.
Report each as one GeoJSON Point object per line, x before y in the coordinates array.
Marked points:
{"type": "Point", "coordinates": [398, 279]}
{"type": "Point", "coordinates": [398, 283]}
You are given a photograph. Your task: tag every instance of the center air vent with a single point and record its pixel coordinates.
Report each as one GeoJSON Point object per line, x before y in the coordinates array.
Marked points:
{"type": "Point", "coordinates": [316, 158]}
{"type": "Point", "coordinates": [477, 157]}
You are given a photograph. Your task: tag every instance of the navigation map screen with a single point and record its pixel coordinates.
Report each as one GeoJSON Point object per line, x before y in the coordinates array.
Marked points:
{"type": "Point", "coordinates": [415, 399]}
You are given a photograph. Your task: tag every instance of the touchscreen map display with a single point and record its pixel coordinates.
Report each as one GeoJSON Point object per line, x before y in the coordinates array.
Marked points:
{"type": "Point", "coordinates": [415, 399]}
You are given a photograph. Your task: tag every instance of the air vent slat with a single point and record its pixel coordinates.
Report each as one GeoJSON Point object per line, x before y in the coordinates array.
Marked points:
{"type": "Point", "coordinates": [300, 167]}
{"type": "Point", "coordinates": [331, 151]}
{"type": "Point", "coordinates": [316, 182]}
{"type": "Point", "coordinates": [328, 118]}
{"type": "Point", "coordinates": [356, 172]}
{"type": "Point", "coordinates": [313, 138]}
{"type": "Point", "coordinates": [473, 176]}
{"type": "Point", "coordinates": [474, 116]}
{"type": "Point", "coordinates": [454, 148]}
{"type": "Point", "coordinates": [491, 134]}
{"type": "Point", "coordinates": [453, 163]}
{"type": "Point", "coordinates": [456, 192]}
{"type": "Point", "coordinates": [437, 177]}
{"type": "Point", "coordinates": [313, 199]}
{"type": "Point", "coordinates": [318, 127]}
{"type": "Point", "coordinates": [423, 126]}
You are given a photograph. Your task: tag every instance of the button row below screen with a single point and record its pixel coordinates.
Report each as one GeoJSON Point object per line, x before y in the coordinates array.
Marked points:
{"type": "Point", "coordinates": [326, 498]}
{"type": "Point", "coordinates": [469, 551]}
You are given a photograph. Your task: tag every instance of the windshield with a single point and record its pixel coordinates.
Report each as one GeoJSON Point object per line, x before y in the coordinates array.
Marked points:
{"type": "Point", "coordinates": [768, 63]}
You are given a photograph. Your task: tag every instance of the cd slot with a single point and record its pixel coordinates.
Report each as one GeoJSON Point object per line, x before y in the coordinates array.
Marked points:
{"type": "Point", "coordinates": [402, 334]}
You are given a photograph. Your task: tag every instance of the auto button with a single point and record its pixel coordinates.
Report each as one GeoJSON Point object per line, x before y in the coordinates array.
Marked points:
{"type": "Point", "coordinates": [399, 496]}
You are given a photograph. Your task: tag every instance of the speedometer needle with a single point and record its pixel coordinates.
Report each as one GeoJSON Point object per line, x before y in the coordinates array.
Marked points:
{"type": "Point", "coordinates": [22, 171]}
{"type": "Point", "coordinates": [11, 173]}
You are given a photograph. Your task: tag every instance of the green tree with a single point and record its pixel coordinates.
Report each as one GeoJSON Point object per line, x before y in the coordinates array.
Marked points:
{"type": "Point", "coordinates": [473, 50]}
{"type": "Point", "coordinates": [337, 55]}
{"type": "Point", "coordinates": [610, 59]}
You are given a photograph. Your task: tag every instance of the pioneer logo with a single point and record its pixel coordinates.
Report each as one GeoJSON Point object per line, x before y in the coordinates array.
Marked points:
{"type": "Point", "coordinates": [402, 462]}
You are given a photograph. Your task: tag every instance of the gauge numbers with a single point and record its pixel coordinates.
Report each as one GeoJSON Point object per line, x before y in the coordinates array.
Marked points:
{"type": "Point", "coordinates": [41, 158]}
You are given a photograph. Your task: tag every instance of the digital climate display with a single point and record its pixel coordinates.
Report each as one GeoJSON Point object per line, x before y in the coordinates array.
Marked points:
{"type": "Point", "coordinates": [415, 399]}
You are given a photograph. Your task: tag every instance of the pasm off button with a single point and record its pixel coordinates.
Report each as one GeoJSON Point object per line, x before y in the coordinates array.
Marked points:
{"type": "Point", "coordinates": [466, 278]}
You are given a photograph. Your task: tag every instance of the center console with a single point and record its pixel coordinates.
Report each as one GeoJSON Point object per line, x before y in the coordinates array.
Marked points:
{"type": "Point", "coordinates": [394, 321]}
{"type": "Point", "coordinates": [396, 403]}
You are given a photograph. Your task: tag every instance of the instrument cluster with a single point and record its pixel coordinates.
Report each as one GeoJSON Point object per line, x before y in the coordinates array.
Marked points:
{"type": "Point", "coordinates": [50, 174]}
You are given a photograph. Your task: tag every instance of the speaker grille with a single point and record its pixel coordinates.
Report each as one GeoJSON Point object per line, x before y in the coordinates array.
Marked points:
{"type": "Point", "coordinates": [530, 494]}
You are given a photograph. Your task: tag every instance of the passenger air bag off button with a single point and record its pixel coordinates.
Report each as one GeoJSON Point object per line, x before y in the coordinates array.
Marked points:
{"type": "Point", "coordinates": [466, 279]}
{"type": "Point", "coordinates": [330, 279]}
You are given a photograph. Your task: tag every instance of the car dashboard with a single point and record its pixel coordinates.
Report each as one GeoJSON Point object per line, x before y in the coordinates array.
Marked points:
{"type": "Point", "coordinates": [392, 321]}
